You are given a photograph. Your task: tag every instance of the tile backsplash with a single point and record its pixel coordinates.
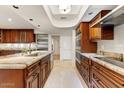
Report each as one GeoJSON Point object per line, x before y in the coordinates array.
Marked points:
{"type": "Point", "coordinates": [112, 55]}
{"type": "Point", "coordinates": [116, 45]}
{"type": "Point", "coordinates": [17, 46]}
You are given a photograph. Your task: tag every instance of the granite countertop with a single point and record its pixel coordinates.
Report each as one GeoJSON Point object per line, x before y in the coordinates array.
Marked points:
{"type": "Point", "coordinates": [18, 61]}
{"type": "Point", "coordinates": [113, 67]}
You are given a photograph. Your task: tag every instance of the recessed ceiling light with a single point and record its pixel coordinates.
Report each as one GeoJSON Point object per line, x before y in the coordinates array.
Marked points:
{"type": "Point", "coordinates": [63, 17]}
{"type": "Point", "coordinates": [9, 19]}
{"type": "Point", "coordinates": [90, 13]}
{"type": "Point", "coordinates": [31, 19]}
{"type": "Point", "coordinates": [16, 7]}
{"type": "Point", "coordinates": [38, 25]}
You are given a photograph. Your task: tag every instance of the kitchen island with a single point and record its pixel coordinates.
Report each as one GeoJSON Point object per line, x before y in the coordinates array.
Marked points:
{"type": "Point", "coordinates": [25, 71]}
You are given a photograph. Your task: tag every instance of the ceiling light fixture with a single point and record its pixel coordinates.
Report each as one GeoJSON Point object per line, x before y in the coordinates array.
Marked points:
{"type": "Point", "coordinates": [16, 7]}
{"type": "Point", "coordinates": [64, 9]}
{"type": "Point", "coordinates": [9, 19]}
{"type": "Point", "coordinates": [90, 13]}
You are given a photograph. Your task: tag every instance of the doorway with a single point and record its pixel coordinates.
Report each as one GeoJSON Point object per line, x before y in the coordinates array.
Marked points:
{"type": "Point", "coordinates": [56, 47]}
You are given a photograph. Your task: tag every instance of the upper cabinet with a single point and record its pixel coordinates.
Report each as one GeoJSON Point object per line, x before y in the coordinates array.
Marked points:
{"type": "Point", "coordinates": [83, 42]}
{"type": "Point", "coordinates": [17, 36]}
{"type": "Point", "coordinates": [99, 31]}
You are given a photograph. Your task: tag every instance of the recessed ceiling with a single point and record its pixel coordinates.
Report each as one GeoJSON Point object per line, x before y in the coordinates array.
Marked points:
{"type": "Point", "coordinates": [72, 18]}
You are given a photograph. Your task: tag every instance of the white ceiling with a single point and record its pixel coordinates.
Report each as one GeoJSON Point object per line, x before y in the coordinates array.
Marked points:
{"type": "Point", "coordinates": [70, 20]}
{"type": "Point", "coordinates": [17, 21]}
{"type": "Point", "coordinates": [20, 17]}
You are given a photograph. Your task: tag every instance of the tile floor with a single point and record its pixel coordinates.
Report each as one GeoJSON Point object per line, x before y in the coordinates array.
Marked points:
{"type": "Point", "coordinates": [64, 75]}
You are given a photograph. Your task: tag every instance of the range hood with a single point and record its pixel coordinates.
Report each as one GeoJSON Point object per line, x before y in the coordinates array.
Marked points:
{"type": "Point", "coordinates": [115, 18]}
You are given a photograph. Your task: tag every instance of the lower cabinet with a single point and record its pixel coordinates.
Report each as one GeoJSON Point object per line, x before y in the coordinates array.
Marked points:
{"type": "Point", "coordinates": [98, 76]}
{"type": "Point", "coordinates": [33, 80]}
{"type": "Point", "coordinates": [38, 73]}
{"type": "Point", "coordinates": [105, 78]}
{"type": "Point", "coordinates": [45, 69]}
{"type": "Point", "coordinates": [33, 76]}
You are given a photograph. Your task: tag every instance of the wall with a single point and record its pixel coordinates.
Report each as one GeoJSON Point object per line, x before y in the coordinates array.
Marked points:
{"type": "Point", "coordinates": [116, 45]}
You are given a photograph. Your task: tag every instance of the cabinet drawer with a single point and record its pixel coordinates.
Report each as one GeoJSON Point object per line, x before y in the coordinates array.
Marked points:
{"type": "Point", "coordinates": [45, 59]}
{"type": "Point", "coordinates": [98, 79]}
{"type": "Point", "coordinates": [112, 78]}
{"type": "Point", "coordinates": [32, 68]}
{"type": "Point", "coordinates": [84, 60]}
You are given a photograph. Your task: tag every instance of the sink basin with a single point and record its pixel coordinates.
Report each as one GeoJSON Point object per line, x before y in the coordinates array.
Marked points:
{"type": "Point", "coordinates": [112, 61]}
{"type": "Point", "coordinates": [34, 54]}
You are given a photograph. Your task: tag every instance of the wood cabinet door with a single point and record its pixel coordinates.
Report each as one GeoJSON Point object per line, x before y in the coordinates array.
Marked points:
{"type": "Point", "coordinates": [6, 36]}
{"type": "Point", "coordinates": [43, 74]}
{"type": "Point", "coordinates": [34, 80]}
{"type": "Point", "coordinates": [15, 36]}
{"type": "Point", "coordinates": [18, 36]}
{"type": "Point", "coordinates": [30, 36]}
{"type": "Point", "coordinates": [95, 34]}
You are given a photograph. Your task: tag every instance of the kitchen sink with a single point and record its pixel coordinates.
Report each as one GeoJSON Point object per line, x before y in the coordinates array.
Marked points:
{"type": "Point", "coordinates": [34, 54]}
{"type": "Point", "coordinates": [111, 61]}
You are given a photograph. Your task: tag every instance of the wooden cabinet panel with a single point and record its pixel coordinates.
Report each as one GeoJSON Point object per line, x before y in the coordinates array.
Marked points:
{"type": "Point", "coordinates": [102, 33]}
{"type": "Point", "coordinates": [99, 16]}
{"type": "Point", "coordinates": [83, 68]}
{"type": "Point", "coordinates": [85, 44]}
{"type": "Point", "coordinates": [18, 35]}
{"type": "Point", "coordinates": [11, 78]}
{"type": "Point", "coordinates": [45, 69]}
{"type": "Point", "coordinates": [99, 31]}
{"type": "Point", "coordinates": [33, 80]}
{"type": "Point", "coordinates": [30, 36]}
{"type": "Point", "coordinates": [98, 76]}
{"type": "Point", "coordinates": [105, 77]}
{"type": "Point", "coordinates": [6, 36]}
{"type": "Point", "coordinates": [15, 36]}
{"type": "Point", "coordinates": [8, 52]}
{"type": "Point", "coordinates": [34, 76]}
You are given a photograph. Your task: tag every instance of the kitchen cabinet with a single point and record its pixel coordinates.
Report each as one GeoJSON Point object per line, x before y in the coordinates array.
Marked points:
{"type": "Point", "coordinates": [33, 76]}
{"type": "Point", "coordinates": [18, 36]}
{"type": "Point", "coordinates": [45, 69]}
{"type": "Point", "coordinates": [106, 78]}
{"type": "Point", "coordinates": [98, 76]}
{"type": "Point", "coordinates": [84, 69]}
{"type": "Point", "coordinates": [83, 42]}
{"type": "Point", "coordinates": [33, 80]}
{"type": "Point", "coordinates": [100, 15]}
{"type": "Point", "coordinates": [100, 31]}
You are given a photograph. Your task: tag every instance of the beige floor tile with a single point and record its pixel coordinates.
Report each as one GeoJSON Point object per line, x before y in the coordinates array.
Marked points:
{"type": "Point", "coordinates": [64, 75]}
